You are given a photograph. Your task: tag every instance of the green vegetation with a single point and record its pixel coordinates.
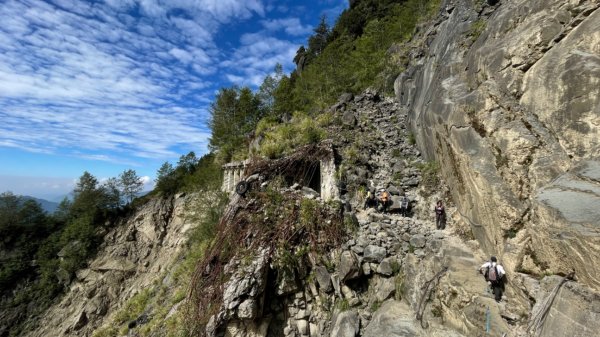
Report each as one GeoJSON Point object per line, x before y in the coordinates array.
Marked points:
{"type": "Point", "coordinates": [375, 306]}
{"type": "Point", "coordinates": [134, 307]}
{"type": "Point", "coordinates": [412, 140]}
{"type": "Point", "coordinates": [44, 251]}
{"type": "Point", "coordinates": [234, 115]}
{"type": "Point", "coordinates": [23, 228]}
{"type": "Point", "coordinates": [280, 139]}
{"type": "Point", "coordinates": [477, 27]}
{"type": "Point", "coordinates": [348, 57]}
{"type": "Point", "coordinates": [355, 53]}
{"type": "Point", "coordinates": [190, 174]}
{"type": "Point", "coordinates": [399, 287]}
{"type": "Point", "coordinates": [342, 305]}
{"type": "Point", "coordinates": [430, 172]}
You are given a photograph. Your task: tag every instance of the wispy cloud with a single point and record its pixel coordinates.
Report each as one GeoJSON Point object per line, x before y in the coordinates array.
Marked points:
{"type": "Point", "coordinates": [120, 76]}
{"type": "Point", "coordinates": [123, 81]}
{"type": "Point", "coordinates": [291, 26]}
{"type": "Point", "coordinates": [260, 51]}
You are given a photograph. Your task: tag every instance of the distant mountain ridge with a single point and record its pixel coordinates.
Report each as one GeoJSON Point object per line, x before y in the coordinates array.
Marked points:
{"type": "Point", "coordinates": [48, 206]}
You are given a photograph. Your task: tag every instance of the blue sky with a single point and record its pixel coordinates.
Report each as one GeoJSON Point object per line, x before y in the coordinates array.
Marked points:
{"type": "Point", "coordinates": [108, 85]}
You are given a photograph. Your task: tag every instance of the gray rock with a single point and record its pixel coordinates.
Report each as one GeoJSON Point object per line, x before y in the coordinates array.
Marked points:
{"type": "Point", "coordinates": [309, 192]}
{"type": "Point", "coordinates": [396, 319]}
{"type": "Point", "coordinates": [349, 267]}
{"type": "Point", "coordinates": [80, 321]}
{"type": "Point", "coordinates": [385, 267]}
{"type": "Point", "coordinates": [374, 253]}
{"type": "Point", "coordinates": [386, 288]}
{"type": "Point", "coordinates": [348, 118]}
{"type": "Point", "coordinates": [248, 309]}
{"type": "Point", "coordinates": [345, 98]}
{"type": "Point", "coordinates": [434, 245]}
{"type": "Point", "coordinates": [420, 253]}
{"type": "Point", "coordinates": [323, 278]}
{"type": "Point", "coordinates": [358, 249]}
{"type": "Point", "coordinates": [418, 241]}
{"type": "Point", "coordinates": [346, 324]}
{"type": "Point", "coordinates": [302, 326]}
{"type": "Point", "coordinates": [335, 280]}
{"type": "Point", "coordinates": [394, 190]}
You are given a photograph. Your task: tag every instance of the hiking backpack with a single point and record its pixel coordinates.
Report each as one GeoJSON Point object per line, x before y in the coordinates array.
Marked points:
{"type": "Point", "coordinates": [492, 274]}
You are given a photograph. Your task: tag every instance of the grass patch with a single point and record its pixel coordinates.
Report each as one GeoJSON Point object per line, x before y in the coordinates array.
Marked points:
{"type": "Point", "coordinates": [399, 287]}
{"type": "Point", "coordinates": [430, 176]}
{"type": "Point", "coordinates": [412, 140]}
{"type": "Point", "coordinates": [476, 29]}
{"type": "Point", "coordinates": [342, 305]}
{"type": "Point", "coordinates": [280, 139]}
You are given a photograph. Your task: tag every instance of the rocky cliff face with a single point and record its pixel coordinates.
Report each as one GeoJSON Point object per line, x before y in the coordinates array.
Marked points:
{"type": "Point", "coordinates": [136, 253]}
{"type": "Point", "coordinates": [506, 99]}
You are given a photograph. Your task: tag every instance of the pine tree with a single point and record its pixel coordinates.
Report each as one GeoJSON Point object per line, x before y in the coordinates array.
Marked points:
{"type": "Point", "coordinates": [130, 183]}
{"type": "Point", "coordinates": [318, 41]}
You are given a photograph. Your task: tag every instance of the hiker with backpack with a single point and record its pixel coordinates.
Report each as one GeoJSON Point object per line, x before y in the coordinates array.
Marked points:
{"type": "Point", "coordinates": [440, 215]}
{"type": "Point", "coordinates": [494, 275]}
{"type": "Point", "coordinates": [404, 206]}
{"type": "Point", "coordinates": [370, 200]}
{"type": "Point", "coordinates": [384, 200]}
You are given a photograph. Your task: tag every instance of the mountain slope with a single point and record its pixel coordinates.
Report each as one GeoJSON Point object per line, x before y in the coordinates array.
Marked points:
{"type": "Point", "coordinates": [48, 206]}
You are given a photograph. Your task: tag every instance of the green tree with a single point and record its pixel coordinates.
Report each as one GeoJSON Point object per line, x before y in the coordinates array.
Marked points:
{"type": "Point", "coordinates": [113, 193]}
{"type": "Point", "coordinates": [166, 180]}
{"type": "Point", "coordinates": [88, 196]}
{"type": "Point", "coordinates": [234, 114]}
{"type": "Point", "coordinates": [9, 203]}
{"type": "Point", "coordinates": [130, 183]}
{"type": "Point", "coordinates": [318, 41]}
{"type": "Point", "coordinates": [283, 95]}
{"type": "Point", "coordinates": [266, 92]}
{"type": "Point", "coordinates": [188, 162]}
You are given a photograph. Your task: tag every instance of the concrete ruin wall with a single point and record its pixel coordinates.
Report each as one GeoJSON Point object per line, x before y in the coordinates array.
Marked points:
{"type": "Point", "coordinates": [329, 188]}
{"type": "Point", "coordinates": [233, 173]}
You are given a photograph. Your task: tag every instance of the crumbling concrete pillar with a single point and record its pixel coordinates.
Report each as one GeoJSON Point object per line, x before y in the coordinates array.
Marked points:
{"type": "Point", "coordinates": [329, 188]}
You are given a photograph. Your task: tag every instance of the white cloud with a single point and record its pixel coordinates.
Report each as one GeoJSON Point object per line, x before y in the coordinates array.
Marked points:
{"type": "Point", "coordinates": [93, 77]}
{"type": "Point", "coordinates": [291, 26]}
{"type": "Point", "coordinates": [257, 56]}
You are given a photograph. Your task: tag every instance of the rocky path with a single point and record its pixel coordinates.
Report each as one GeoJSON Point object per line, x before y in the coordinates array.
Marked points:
{"type": "Point", "coordinates": [388, 272]}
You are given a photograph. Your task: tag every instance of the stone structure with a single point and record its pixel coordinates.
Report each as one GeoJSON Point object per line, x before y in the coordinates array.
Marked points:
{"type": "Point", "coordinates": [232, 174]}
{"type": "Point", "coordinates": [327, 185]}
{"type": "Point", "coordinates": [329, 188]}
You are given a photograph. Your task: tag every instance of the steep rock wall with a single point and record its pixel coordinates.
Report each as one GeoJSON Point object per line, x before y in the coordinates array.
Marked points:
{"type": "Point", "coordinates": [506, 99]}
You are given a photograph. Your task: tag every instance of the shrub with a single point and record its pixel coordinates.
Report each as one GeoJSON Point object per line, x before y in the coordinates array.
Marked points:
{"type": "Point", "coordinates": [430, 179]}
{"type": "Point", "coordinates": [283, 138]}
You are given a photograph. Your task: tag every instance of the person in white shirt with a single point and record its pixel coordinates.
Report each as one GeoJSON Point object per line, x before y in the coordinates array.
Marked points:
{"type": "Point", "coordinates": [494, 274]}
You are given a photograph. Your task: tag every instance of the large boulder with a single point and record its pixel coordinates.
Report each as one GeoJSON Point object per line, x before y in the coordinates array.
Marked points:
{"type": "Point", "coordinates": [396, 319]}
{"type": "Point", "coordinates": [374, 253]}
{"type": "Point", "coordinates": [323, 278]}
{"type": "Point", "coordinates": [349, 267]}
{"type": "Point", "coordinates": [346, 324]}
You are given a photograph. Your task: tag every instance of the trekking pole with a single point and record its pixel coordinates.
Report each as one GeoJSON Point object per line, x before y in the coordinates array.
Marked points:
{"type": "Point", "coordinates": [487, 321]}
